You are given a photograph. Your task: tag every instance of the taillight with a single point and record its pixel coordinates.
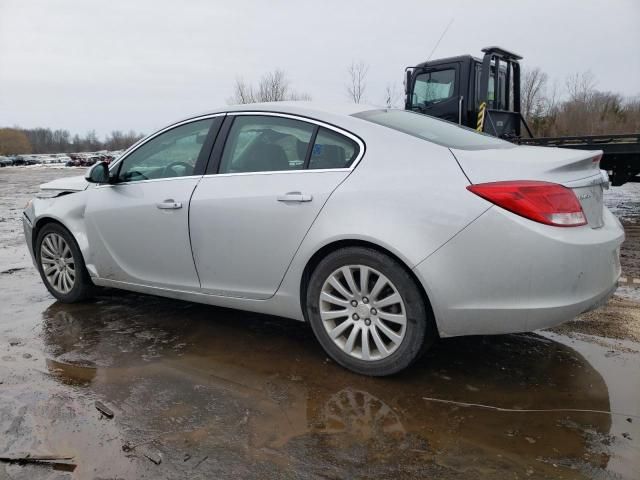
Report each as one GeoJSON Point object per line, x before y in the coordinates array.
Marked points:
{"type": "Point", "coordinates": [543, 202]}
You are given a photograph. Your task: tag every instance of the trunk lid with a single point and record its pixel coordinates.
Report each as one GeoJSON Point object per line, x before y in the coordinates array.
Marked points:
{"type": "Point", "coordinates": [575, 169]}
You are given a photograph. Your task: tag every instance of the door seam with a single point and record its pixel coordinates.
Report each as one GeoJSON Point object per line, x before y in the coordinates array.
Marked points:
{"type": "Point", "coordinates": [193, 257]}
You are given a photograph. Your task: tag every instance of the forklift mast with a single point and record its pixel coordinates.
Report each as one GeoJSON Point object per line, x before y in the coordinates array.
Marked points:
{"type": "Point", "coordinates": [499, 109]}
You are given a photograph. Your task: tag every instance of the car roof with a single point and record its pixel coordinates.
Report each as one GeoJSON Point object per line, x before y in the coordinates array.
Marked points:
{"type": "Point", "coordinates": [317, 110]}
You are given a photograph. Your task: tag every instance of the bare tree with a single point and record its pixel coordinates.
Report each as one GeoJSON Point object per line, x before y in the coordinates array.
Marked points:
{"type": "Point", "coordinates": [357, 80]}
{"type": "Point", "coordinates": [584, 110]}
{"type": "Point", "coordinates": [391, 95]}
{"type": "Point", "coordinates": [533, 93]}
{"type": "Point", "coordinates": [243, 93]}
{"type": "Point", "coordinates": [273, 87]}
{"type": "Point", "coordinates": [119, 140]}
{"type": "Point", "coordinates": [581, 86]}
{"type": "Point", "coordinates": [299, 96]}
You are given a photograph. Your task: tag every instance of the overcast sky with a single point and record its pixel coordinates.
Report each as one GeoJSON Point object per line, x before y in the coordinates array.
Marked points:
{"type": "Point", "coordinates": [124, 64]}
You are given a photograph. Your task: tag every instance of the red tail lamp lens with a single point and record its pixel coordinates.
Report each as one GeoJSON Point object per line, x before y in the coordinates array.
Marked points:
{"type": "Point", "coordinates": [543, 202]}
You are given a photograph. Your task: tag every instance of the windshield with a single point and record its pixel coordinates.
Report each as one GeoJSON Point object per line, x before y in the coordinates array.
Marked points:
{"type": "Point", "coordinates": [434, 87]}
{"type": "Point", "coordinates": [433, 129]}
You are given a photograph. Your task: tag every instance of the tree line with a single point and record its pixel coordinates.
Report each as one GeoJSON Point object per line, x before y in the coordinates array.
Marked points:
{"type": "Point", "coordinates": [551, 110]}
{"type": "Point", "coordinates": [576, 108]}
{"type": "Point", "coordinates": [45, 140]}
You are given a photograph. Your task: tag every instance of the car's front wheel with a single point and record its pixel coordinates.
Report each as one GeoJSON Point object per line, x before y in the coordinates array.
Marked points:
{"type": "Point", "coordinates": [61, 265]}
{"type": "Point", "coordinates": [367, 312]}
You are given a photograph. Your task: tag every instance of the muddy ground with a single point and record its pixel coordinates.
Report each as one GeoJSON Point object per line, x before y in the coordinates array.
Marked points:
{"type": "Point", "coordinates": [217, 393]}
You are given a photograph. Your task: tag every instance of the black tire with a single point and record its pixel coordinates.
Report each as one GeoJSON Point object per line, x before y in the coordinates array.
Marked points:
{"type": "Point", "coordinates": [83, 287]}
{"type": "Point", "coordinates": [420, 330]}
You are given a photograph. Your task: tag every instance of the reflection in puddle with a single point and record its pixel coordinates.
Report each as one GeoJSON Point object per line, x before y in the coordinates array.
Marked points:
{"type": "Point", "coordinates": [360, 415]}
{"type": "Point", "coordinates": [257, 394]}
{"type": "Point", "coordinates": [71, 374]}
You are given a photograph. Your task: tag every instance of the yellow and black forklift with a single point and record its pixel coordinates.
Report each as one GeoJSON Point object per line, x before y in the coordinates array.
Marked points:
{"type": "Point", "coordinates": [485, 95]}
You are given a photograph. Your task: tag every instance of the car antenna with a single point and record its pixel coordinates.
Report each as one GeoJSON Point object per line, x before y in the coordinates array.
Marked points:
{"type": "Point", "coordinates": [440, 39]}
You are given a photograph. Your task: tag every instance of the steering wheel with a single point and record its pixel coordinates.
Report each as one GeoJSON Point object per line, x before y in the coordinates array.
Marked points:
{"type": "Point", "coordinates": [169, 168]}
{"type": "Point", "coordinates": [133, 175]}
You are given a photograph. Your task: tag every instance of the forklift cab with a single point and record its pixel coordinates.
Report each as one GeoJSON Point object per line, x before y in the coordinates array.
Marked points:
{"type": "Point", "coordinates": [480, 94]}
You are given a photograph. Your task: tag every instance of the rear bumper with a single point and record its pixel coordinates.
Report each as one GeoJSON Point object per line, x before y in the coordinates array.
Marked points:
{"type": "Point", "coordinates": [506, 274]}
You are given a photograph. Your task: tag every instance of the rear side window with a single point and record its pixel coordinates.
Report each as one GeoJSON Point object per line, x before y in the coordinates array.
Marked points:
{"type": "Point", "coordinates": [433, 129]}
{"type": "Point", "coordinates": [266, 144]}
{"type": "Point", "coordinates": [332, 150]}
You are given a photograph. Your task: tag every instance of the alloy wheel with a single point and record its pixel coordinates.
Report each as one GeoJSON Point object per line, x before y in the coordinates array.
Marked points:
{"type": "Point", "coordinates": [363, 312]}
{"type": "Point", "coordinates": [57, 262]}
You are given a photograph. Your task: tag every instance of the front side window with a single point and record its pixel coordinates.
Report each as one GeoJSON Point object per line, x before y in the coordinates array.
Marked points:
{"type": "Point", "coordinates": [332, 150]}
{"type": "Point", "coordinates": [173, 153]}
{"type": "Point", "coordinates": [434, 87]}
{"type": "Point", "coordinates": [265, 144]}
{"type": "Point", "coordinates": [433, 129]}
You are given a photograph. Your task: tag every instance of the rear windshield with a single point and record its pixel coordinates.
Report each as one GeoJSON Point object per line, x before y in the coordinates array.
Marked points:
{"type": "Point", "coordinates": [433, 129]}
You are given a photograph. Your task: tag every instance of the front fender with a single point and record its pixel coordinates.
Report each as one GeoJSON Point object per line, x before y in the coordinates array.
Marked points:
{"type": "Point", "coordinates": [68, 210]}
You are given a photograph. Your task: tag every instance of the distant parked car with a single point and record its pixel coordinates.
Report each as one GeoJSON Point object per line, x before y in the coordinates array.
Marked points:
{"type": "Point", "coordinates": [5, 161]}
{"type": "Point", "coordinates": [113, 156]}
{"type": "Point", "coordinates": [384, 229]}
{"type": "Point", "coordinates": [31, 160]}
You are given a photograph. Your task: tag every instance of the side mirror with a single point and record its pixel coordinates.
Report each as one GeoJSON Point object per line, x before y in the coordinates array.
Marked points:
{"type": "Point", "coordinates": [99, 173]}
{"type": "Point", "coordinates": [409, 94]}
{"type": "Point", "coordinates": [408, 75]}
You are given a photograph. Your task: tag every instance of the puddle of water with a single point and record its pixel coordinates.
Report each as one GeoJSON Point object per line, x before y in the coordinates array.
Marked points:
{"type": "Point", "coordinates": [629, 292]}
{"type": "Point", "coordinates": [259, 393]}
{"type": "Point", "coordinates": [217, 393]}
{"type": "Point", "coordinates": [619, 370]}
{"type": "Point", "coordinates": [624, 202]}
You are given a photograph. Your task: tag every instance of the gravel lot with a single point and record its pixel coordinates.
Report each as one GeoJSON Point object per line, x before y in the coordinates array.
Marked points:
{"type": "Point", "coordinates": [215, 393]}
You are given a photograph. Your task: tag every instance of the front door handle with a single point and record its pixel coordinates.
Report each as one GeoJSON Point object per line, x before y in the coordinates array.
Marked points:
{"type": "Point", "coordinates": [169, 204]}
{"type": "Point", "coordinates": [294, 197]}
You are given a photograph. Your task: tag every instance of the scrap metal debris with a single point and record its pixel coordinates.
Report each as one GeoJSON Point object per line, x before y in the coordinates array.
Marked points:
{"type": "Point", "coordinates": [201, 461]}
{"type": "Point", "coordinates": [103, 409]}
{"type": "Point", "coordinates": [59, 462]}
{"type": "Point", "coordinates": [154, 456]}
{"type": "Point", "coordinates": [11, 271]}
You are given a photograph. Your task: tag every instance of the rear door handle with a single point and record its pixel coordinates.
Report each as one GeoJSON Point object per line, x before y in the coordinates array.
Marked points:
{"type": "Point", "coordinates": [294, 197]}
{"type": "Point", "coordinates": [169, 204]}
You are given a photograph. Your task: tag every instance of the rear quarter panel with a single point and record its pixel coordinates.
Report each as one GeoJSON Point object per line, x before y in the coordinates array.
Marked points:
{"type": "Point", "coordinates": [407, 196]}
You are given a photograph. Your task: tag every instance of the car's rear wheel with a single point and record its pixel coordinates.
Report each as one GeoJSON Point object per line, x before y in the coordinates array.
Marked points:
{"type": "Point", "coordinates": [368, 312]}
{"type": "Point", "coordinates": [61, 265]}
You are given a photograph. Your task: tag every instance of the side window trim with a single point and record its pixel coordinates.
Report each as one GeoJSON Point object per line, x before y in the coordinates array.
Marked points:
{"type": "Point", "coordinates": [207, 147]}
{"type": "Point", "coordinates": [213, 166]}
{"type": "Point", "coordinates": [114, 169]}
{"type": "Point", "coordinates": [312, 142]}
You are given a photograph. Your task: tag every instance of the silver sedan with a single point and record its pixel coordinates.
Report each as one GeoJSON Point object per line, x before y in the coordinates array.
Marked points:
{"type": "Point", "coordinates": [383, 229]}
